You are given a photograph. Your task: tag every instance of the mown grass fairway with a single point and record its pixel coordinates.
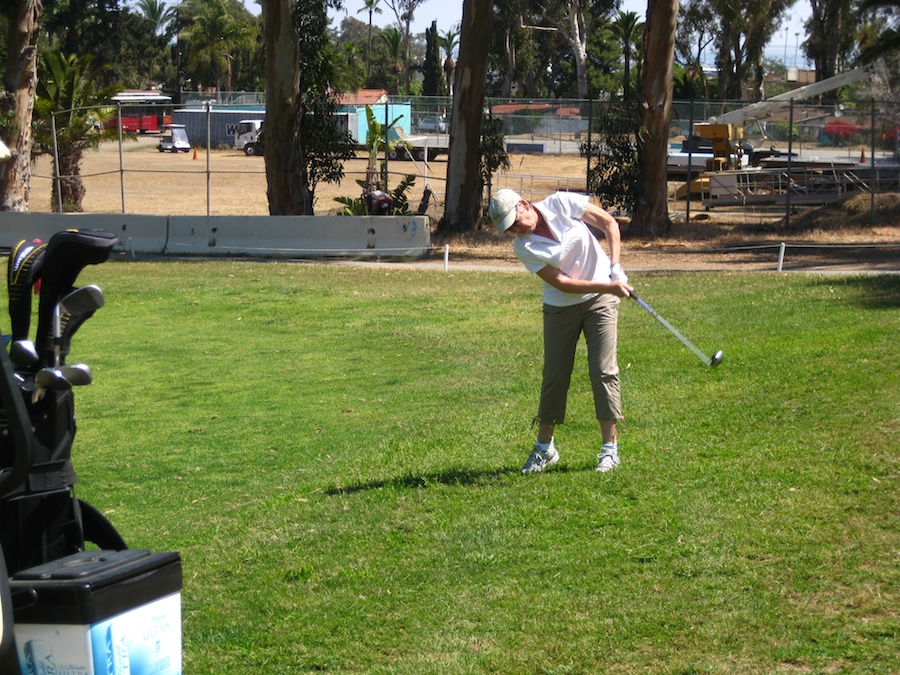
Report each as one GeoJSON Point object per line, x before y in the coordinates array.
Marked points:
{"type": "Point", "coordinates": [335, 451]}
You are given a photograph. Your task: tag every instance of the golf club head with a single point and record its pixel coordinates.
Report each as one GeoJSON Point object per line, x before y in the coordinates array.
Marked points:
{"type": "Point", "coordinates": [716, 359]}
{"type": "Point", "coordinates": [70, 325]}
{"type": "Point", "coordinates": [75, 307]}
{"type": "Point", "coordinates": [51, 379]}
{"type": "Point", "coordinates": [23, 354]}
{"type": "Point", "coordinates": [81, 300]}
{"type": "Point", "coordinates": [78, 375]}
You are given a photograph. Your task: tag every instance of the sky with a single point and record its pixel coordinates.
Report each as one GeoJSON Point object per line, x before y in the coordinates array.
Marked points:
{"type": "Point", "coordinates": [448, 13]}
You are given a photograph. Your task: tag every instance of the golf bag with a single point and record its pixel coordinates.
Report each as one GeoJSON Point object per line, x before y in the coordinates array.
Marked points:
{"type": "Point", "coordinates": [41, 520]}
{"type": "Point", "coordinates": [8, 662]}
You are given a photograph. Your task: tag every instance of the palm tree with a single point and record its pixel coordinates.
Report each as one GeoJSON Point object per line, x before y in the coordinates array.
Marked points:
{"type": "Point", "coordinates": [370, 6]}
{"type": "Point", "coordinates": [158, 13]}
{"type": "Point", "coordinates": [448, 42]}
{"type": "Point", "coordinates": [68, 102]}
{"type": "Point", "coordinates": [393, 40]}
{"type": "Point", "coordinates": [628, 29]}
{"type": "Point", "coordinates": [215, 36]}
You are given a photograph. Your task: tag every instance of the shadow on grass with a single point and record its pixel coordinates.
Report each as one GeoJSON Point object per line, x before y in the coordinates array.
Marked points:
{"type": "Point", "coordinates": [878, 291]}
{"type": "Point", "coordinates": [452, 477]}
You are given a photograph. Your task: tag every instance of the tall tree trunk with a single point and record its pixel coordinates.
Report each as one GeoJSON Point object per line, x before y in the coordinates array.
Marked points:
{"type": "Point", "coordinates": [20, 82]}
{"type": "Point", "coordinates": [288, 191]}
{"type": "Point", "coordinates": [577, 37]}
{"type": "Point", "coordinates": [509, 46]}
{"type": "Point", "coordinates": [406, 48]}
{"type": "Point", "coordinates": [71, 186]}
{"type": "Point", "coordinates": [462, 205]}
{"type": "Point", "coordinates": [369, 49]}
{"type": "Point", "coordinates": [652, 214]}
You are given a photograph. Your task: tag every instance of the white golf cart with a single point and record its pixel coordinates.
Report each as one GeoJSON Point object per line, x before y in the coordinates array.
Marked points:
{"type": "Point", "coordinates": [173, 138]}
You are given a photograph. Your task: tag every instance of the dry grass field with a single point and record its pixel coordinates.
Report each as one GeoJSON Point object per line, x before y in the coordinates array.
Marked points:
{"type": "Point", "coordinates": [167, 183]}
{"type": "Point", "coordinates": [140, 179]}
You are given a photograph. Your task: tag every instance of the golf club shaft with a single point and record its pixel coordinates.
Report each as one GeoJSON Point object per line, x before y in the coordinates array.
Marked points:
{"type": "Point", "coordinates": [687, 343]}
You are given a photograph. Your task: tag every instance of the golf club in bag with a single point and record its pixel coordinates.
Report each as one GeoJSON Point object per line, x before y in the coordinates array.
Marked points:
{"type": "Point", "coordinates": [711, 362]}
{"type": "Point", "coordinates": [42, 520]}
{"type": "Point", "coordinates": [65, 599]}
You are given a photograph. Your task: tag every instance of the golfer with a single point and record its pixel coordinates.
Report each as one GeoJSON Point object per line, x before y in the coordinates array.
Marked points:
{"type": "Point", "coordinates": [581, 291]}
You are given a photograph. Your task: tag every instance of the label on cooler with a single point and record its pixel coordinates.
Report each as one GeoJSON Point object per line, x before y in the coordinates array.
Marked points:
{"type": "Point", "coordinates": [145, 640]}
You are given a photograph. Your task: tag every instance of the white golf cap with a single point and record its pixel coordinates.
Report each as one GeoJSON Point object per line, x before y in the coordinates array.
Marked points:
{"type": "Point", "coordinates": [502, 209]}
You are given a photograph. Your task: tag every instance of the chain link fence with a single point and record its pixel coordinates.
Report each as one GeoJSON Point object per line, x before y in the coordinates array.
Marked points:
{"type": "Point", "coordinates": [552, 145]}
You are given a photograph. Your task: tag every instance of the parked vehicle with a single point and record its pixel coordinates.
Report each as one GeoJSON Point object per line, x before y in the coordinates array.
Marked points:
{"type": "Point", "coordinates": [249, 137]}
{"type": "Point", "coordinates": [173, 139]}
{"type": "Point", "coordinates": [144, 112]}
{"type": "Point", "coordinates": [434, 125]}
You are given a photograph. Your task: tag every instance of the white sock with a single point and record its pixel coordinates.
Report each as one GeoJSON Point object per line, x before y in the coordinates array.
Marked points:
{"type": "Point", "coordinates": [611, 447]}
{"type": "Point", "coordinates": [544, 447]}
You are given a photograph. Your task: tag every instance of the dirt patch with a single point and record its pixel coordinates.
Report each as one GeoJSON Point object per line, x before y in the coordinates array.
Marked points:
{"type": "Point", "coordinates": [835, 237]}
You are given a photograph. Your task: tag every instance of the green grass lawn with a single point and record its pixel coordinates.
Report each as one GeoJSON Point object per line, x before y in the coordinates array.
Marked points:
{"type": "Point", "coordinates": [334, 451]}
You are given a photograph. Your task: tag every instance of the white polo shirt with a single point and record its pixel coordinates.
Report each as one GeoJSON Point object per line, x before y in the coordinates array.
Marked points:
{"type": "Point", "coordinates": [576, 253]}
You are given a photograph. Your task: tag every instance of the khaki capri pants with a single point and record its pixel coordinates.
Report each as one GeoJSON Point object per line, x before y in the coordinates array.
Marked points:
{"type": "Point", "coordinates": [598, 320]}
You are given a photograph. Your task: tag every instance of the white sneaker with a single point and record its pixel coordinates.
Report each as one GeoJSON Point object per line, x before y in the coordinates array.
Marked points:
{"type": "Point", "coordinates": [539, 459]}
{"type": "Point", "coordinates": [608, 459]}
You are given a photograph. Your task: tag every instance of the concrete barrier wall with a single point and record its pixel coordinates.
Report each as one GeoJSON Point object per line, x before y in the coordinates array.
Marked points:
{"type": "Point", "coordinates": [271, 236]}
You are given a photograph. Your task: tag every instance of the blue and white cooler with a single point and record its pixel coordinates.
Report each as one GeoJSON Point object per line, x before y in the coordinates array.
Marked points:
{"type": "Point", "coordinates": [100, 613]}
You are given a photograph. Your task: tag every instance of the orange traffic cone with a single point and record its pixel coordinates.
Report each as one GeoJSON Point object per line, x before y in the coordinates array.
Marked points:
{"type": "Point", "coordinates": [195, 153]}
{"type": "Point", "coordinates": [862, 157]}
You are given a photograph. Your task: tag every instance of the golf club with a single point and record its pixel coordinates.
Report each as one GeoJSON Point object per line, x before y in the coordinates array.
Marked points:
{"type": "Point", "coordinates": [80, 301]}
{"type": "Point", "coordinates": [59, 379]}
{"type": "Point", "coordinates": [23, 354]}
{"type": "Point", "coordinates": [711, 362]}
{"type": "Point", "coordinates": [48, 379]}
{"type": "Point", "coordinates": [51, 379]}
{"type": "Point", "coordinates": [78, 375]}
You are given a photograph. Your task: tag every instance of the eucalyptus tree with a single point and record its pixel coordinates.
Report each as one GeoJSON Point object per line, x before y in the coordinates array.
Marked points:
{"type": "Point", "coordinates": [831, 35]}
{"type": "Point", "coordinates": [695, 34]}
{"type": "Point", "coordinates": [552, 48]}
{"type": "Point", "coordinates": [509, 41]}
{"type": "Point", "coordinates": [465, 184]}
{"type": "Point", "coordinates": [303, 145]}
{"type": "Point", "coordinates": [70, 120]}
{"type": "Point", "coordinates": [528, 52]}
{"type": "Point", "coordinates": [652, 214]}
{"type": "Point", "coordinates": [744, 29]}
{"type": "Point", "coordinates": [575, 20]}
{"type": "Point", "coordinates": [17, 101]}
{"type": "Point", "coordinates": [886, 44]}
{"type": "Point", "coordinates": [372, 7]}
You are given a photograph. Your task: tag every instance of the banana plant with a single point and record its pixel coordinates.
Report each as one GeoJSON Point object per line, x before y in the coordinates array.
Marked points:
{"type": "Point", "coordinates": [379, 139]}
